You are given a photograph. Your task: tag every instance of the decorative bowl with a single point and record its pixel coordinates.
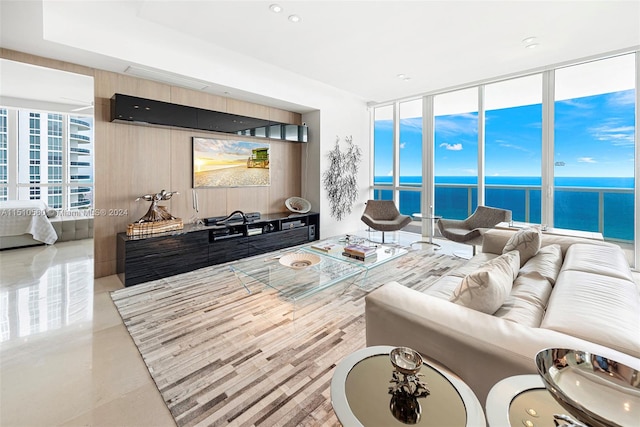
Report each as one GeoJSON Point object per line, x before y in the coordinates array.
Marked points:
{"type": "Point", "coordinates": [596, 390]}
{"type": "Point", "coordinates": [299, 261]}
{"type": "Point", "coordinates": [297, 205]}
{"type": "Point", "coordinates": [405, 360]}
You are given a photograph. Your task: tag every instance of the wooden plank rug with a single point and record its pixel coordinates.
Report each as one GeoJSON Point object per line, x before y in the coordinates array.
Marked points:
{"type": "Point", "coordinates": [220, 356]}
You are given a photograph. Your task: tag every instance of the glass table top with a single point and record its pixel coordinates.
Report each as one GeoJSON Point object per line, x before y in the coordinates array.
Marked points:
{"type": "Point", "coordinates": [535, 407]}
{"type": "Point", "coordinates": [333, 268]}
{"type": "Point", "coordinates": [294, 284]}
{"type": "Point", "coordinates": [367, 393]}
{"type": "Point", "coordinates": [383, 253]}
{"type": "Point", "coordinates": [360, 394]}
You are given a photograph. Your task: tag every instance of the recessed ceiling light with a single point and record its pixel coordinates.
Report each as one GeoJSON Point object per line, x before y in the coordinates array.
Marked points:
{"type": "Point", "coordinates": [406, 79]}
{"type": "Point", "coordinates": [532, 45]}
{"type": "Point", "coordinates": [401, 76]}
{"type": "Point", "coordinates": [529, 40]}
{"type": "Point", "coordinates": [276, 8]}
{"type": "Point", "coordinates": [294, 18]}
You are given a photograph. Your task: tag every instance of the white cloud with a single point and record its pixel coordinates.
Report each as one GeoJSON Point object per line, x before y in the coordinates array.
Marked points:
{"type": "Point", "coordinates": [457, 125]}
{"type": "Point", "coordinates": [390, 173]}
{"type": "Point", "coordinates": [625, 97]}
{"type": "Point", "coordinates": [586, 160]}
{"type": "Point", "coordinates": [402, 145]}
{"type": "Point", "coordinates": [614, 133]}
{"type": "Point", "coordinates": [581, 105]}
{"type": "Point", "coordinates": [452, 147]}
{"type": "Point", "coordinates": [411, 124]}
{"type": "Point", "coordinates": [513, 146]}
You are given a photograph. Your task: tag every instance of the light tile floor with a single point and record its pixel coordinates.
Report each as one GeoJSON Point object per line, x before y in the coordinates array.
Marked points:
{"type": "Point", "coordinates": [66, 358]}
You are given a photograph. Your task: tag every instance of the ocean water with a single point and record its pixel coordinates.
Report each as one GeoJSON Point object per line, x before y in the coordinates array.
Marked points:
{"type": "Point", "coordinates": [577, 200]}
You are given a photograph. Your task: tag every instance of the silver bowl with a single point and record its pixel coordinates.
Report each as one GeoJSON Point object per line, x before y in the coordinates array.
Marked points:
{"type": "Point", "coordinates": [596, 390]}
{"type": "Point", "coordinates": [405, 360]}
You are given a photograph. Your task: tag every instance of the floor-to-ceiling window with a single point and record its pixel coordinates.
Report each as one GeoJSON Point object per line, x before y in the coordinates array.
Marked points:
{"type": "Point", "coordinates": [513, 146]}
{"type": "Point", "coordinates": [54, 158]}
{"type": "Point", "coordinates": [580, 146]}
{"type": "Point", "coordinates": [410, 155]}
{"type": "Point", "coordinates": [456, 153]}
{"type": "Point", "coordinates": [594, 147]}
{"type": "Point", "coordinates": [383, 146]}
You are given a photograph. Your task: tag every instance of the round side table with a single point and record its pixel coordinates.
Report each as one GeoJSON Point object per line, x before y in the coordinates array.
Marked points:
{"type": "Point", "coordinates": [360, 393]}
{"type": "Point", "coordinates": [419, 216]}
{"type": "Point", "coordinates": [521, 400]}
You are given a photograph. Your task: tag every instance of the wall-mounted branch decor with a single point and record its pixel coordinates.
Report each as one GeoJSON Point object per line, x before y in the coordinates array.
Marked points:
{"type": "Point", "coordinates": [340, 180]}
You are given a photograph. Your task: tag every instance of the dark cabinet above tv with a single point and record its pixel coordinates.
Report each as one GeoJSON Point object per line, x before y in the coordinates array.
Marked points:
{"type": "Point", "coordinates": [126, 108]}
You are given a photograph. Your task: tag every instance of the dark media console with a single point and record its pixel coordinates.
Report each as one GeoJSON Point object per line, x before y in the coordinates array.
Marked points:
{"type": "Point", "coordinates": [145, 258]}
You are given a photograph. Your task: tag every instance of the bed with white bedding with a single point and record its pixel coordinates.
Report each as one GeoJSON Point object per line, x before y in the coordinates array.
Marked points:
{"type": "Point", "coordinates": [25, 223]}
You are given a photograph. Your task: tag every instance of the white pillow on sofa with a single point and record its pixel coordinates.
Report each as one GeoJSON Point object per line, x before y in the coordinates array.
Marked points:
{"type": "Point", "coordinates": [487, 288]}
{"type": "Point", "coordinates": [547, 263]}
{"type": "Point", "coordinates": [526, 241]}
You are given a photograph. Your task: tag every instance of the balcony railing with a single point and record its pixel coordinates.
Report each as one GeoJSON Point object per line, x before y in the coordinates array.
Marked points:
{"type": "Point", "coordinates": [76, 150]}
{"type": "Point", "coordinates": [80, 138]}
{"type": "Point", "coordinates": [79, 177]}
{"type": "Point", "coordinates": [609, 211]}
{"type": "Point", "coordinates": [81, 123]}
{"type": "Point", "coordinates": [80, 203]}
{"type": "Point", "coordinates": [80, 190]}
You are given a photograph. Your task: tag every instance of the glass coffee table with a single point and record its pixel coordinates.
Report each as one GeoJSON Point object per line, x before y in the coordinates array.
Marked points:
{"type": "Point", "coordinates": [333, 268]}
{"type": "Point", "coordinates": [360, 394]}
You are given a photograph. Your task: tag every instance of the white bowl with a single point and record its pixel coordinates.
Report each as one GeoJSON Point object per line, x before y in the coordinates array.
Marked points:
{"type": "Point", "coordinates": [299, 261]}
{"type": "Point", "coordinates": [297, 205]}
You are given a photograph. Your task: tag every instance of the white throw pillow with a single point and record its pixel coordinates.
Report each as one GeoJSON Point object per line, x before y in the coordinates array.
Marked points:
{"type": "Point", "coordinates": [487, 288]}
{"type": "Point", "coordinates": [526, 241]}
{"type": "Point", "coordinates": [547, 263]}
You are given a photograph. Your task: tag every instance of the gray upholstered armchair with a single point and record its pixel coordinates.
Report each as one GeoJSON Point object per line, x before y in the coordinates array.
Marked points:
{"type": "Point", "coordinates": [470, 230]}
{"type": "Point", "coordinates": [382, 215]}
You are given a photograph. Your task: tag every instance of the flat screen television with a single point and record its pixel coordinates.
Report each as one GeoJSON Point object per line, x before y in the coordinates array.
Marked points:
{"type": "Point", "coordinates": [230, 163]}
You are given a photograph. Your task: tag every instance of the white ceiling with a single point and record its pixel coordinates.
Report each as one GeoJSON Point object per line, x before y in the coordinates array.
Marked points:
{"type": "Point", "coordinates": [357, 46]}
{"type": "Point", "coordinates": [29, 86]}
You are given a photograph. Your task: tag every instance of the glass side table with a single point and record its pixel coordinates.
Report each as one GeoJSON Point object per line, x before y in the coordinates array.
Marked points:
{"type": "Point", "coordinates": [419, 216]}
{"type": "Point", "coordinates": [521, 400]}
{"type": "Point", "coordinates": [360, 393]}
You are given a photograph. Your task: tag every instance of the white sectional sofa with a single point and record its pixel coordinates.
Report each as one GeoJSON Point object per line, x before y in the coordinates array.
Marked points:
{"type": "Point", "coordinates": [574, 293]}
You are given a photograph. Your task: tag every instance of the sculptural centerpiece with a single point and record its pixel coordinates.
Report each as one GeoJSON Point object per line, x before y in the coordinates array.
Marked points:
{"type": "Point", "coordinates": [406, 385]}
{"type": "Point", "coordinates": [157, 219]}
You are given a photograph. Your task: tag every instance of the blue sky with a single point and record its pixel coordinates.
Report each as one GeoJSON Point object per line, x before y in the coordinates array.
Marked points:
{"type": "Point", "coordinates": [594, 137]}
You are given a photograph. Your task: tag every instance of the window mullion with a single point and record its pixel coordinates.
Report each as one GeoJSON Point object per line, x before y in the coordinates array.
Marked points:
{"type": "Point", "coordinates": [428, 163]}
{"type": "Point", "coordinates": [396, 153]}
{"type": "Point", "coordinates": [481, 151]}
{"type": "Point", "coordinates": [548, 157]}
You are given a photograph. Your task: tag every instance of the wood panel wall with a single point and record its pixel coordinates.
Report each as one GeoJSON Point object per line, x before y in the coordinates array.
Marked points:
{"type": "Point", "coordinates": [133, 160]}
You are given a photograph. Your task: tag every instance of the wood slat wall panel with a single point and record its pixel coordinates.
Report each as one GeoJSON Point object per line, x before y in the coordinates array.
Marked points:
{"type": "Point", "coordinates": [244, 108]}
{"type": "Point", "coordinates": [132, 160]}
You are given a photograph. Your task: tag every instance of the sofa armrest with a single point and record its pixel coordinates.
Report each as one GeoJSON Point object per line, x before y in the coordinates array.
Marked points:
{"type": "Point", "coordinates": [479, 348]}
